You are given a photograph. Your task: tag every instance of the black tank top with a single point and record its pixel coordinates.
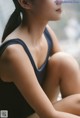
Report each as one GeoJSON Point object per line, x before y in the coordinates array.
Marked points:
{"type": "Point", "coordinates": [10, 97]}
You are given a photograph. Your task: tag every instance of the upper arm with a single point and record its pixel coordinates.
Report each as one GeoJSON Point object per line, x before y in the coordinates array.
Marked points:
{"type": "Point", "coordinates": [18, 67]}
{"type": "Point", "coordinates": [56, 45]}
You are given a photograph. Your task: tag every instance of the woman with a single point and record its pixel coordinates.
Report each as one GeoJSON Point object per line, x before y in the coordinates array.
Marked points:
{"type": "Point", "coordinates": [34, 69]}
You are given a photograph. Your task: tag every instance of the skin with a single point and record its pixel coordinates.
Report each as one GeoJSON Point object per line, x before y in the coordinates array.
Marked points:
{"type": "Point", "coordinates": [62, 72]}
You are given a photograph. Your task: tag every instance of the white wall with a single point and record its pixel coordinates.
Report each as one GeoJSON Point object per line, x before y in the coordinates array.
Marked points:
{"type": "Point", "coordinates": [6, 8]}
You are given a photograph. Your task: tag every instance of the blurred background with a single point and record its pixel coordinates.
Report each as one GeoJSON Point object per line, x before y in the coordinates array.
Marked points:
{"type": "Point", "coordinates": [67, 29]}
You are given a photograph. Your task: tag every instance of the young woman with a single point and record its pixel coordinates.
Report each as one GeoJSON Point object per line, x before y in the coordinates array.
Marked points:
{"type": "Point", "coordinates": [32, 67]}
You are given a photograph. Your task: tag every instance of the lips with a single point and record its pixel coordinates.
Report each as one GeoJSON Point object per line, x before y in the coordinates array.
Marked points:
{"type": "Point", "coordinates": [59, 10]}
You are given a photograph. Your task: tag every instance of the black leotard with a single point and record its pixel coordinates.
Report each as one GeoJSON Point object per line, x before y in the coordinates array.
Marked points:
{"type": "Point", "coordinates": [10, 97]}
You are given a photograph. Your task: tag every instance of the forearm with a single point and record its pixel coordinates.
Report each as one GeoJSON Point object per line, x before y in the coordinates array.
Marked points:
{"type": "Point", "coordinates": [57, 115]}
{"type": "Point", "coordinates": [65, 115]}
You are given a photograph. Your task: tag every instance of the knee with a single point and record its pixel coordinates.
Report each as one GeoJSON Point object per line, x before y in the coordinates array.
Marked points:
{"type": "Point", "coordinates": [57, 58]}
{"type": "Point", "coordinates": [54, 61]}
{"type": "Point", "coordinates": [64, 61]}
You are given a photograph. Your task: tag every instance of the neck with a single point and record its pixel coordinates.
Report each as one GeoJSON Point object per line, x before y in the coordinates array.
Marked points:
{"type": "Point", "coordinates": [34, 27]}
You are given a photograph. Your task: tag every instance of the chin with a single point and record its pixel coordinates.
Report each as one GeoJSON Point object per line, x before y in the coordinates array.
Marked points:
{"type": "Point", "coordinates": [55, 19]}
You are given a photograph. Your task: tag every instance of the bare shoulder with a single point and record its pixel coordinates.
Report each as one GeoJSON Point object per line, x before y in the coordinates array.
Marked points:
{"type": "Point", "coordinates": [12, 52]}
{"type": "Point", "coordinates": [55, 41]}
{"type": "Point", "coordinates": [13, 62]}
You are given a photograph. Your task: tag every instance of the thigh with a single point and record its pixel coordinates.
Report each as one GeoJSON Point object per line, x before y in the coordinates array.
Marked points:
{"type": "Point", "coordinates": [62, 74]}
{"type": "Point", "coordinates": [52, 80]}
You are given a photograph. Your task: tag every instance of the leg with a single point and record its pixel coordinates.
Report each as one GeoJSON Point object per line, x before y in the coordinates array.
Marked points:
{"type": "Point", "coordinates": [63, 73]}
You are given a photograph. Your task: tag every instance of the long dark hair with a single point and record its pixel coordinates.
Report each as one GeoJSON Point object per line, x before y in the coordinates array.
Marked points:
{"type": "Point", "coordinates": [14, 20]}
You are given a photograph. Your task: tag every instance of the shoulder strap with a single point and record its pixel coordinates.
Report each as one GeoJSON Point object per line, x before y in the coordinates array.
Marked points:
{"type": "Point", "coordinates": [17, 41]}
{"type": "Point", "coordinates": [49, 40]}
